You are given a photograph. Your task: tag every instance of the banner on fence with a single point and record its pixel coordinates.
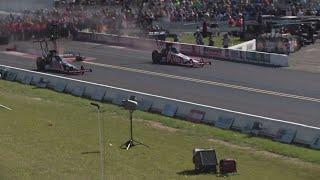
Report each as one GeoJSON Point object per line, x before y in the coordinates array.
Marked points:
{"type": "Point", "coordinates": [213, 52]}
{"type": "Point", "coordinates": [236, 55]}
{"type": "Point", "coordinates": [196, 115]}
{"type": "Point", "coordinates": [169, 110]}
{"type": "Point", "coordinates": [145, 105]}
{"type": "Point", "coordinates": [258, 57]}
{"type": "Point", "coordinates": [316, 142]}
{"type": "Point", "coordinates": [224, 122]}
{"type": "Point", "coordinates": [285, 135]}
{"type": "Point", "coordinates": [193, 50]}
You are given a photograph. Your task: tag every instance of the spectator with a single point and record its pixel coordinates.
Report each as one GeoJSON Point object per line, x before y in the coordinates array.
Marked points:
{"type": "Point", "coordinates": [211, 41]}
{"type": "Point", "coordinates": [300, 13]}
{"type": "Point", "coordinates": [175, 38]}
{"type": "Point", "coordinates": [199, 38]}
{"type": "Point", "coordinates": [205, 29]}
{"type": "Point", "coordinates": [226, 41]}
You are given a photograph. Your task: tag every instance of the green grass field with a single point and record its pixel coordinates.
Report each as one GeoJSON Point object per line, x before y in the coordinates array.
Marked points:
{"type": "Point", "coordinates": [31, 149]}
{"type": "Point", "coordinates": [189, 38]}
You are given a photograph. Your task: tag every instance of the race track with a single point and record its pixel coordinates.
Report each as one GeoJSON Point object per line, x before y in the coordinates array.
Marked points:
{"type": "Point", "coordinates": [272, 92]}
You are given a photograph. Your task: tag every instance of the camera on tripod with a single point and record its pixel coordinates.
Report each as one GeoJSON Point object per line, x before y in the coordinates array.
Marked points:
{"type": "Point", "coordinates": [130, 104]}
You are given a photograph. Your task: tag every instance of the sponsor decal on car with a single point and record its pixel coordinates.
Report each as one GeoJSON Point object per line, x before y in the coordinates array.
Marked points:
{"type": "Point", "coordinates": [174, 59]}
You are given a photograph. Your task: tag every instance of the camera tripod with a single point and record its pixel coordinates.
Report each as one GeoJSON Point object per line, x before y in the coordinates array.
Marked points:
{"type": "Point", "coordinates": [131, 142]}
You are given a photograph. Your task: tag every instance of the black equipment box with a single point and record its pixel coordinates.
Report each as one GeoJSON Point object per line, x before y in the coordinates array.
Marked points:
{"type": "Point", "coordinates": [205, 160]}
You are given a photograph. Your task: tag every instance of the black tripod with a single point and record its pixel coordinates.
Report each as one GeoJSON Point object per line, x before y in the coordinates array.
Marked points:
{"type": "Point", "coordinates": [131, 142]}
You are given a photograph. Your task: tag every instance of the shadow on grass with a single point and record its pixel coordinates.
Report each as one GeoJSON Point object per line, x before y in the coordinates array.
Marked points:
{"type": "Point", "coordinates": [91, 152]}
{"type": "Point", "coordinates": [193, 173]}
{"type": "Point", "coordinates": [188, 173]}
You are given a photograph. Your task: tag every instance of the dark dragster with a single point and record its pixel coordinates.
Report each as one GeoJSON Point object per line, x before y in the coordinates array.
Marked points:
{"type": "Point", "coordinates": [51, 61]}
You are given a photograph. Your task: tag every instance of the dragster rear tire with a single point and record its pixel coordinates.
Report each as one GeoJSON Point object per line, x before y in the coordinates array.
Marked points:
{"type": "Point", "coordinates": [40, 64]}
{"type": "Point", "coordinates": [79, 58]}
{"type": "Point", "coordinates": [156, 57]}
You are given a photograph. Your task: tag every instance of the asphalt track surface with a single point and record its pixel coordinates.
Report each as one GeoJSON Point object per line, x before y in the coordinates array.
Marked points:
{"type": "Point", "coordinates": [271, 92]}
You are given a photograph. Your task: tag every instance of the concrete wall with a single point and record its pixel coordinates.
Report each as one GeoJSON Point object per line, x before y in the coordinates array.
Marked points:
{"type": "Point", "coordinates": [286, 132]}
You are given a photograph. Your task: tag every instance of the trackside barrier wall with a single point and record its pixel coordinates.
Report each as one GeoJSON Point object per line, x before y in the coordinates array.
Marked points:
{"type": "Point", "coordinates": [279, 130]}
{"type": "Point", "coordinates": [246, 55]}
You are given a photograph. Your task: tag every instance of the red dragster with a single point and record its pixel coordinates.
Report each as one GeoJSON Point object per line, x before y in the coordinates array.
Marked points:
{"type": "Point", "coordinates": [170, 55]}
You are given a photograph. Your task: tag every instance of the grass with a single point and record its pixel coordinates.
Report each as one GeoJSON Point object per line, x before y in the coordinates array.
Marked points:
{"type": "Point", "coordinates": [31, 149]}
{"type": "Point", "coordinates": [189, 38]}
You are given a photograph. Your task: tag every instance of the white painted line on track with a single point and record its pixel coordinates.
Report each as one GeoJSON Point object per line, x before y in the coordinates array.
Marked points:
{"type": "Point", "coordinates": [167, 98]}
{"type": "Point", "coordinates": [91, 43]}
{"type": "Point", "coordinates": [213, 83]}
{"type": "Point", "coordinates": [19, 54]}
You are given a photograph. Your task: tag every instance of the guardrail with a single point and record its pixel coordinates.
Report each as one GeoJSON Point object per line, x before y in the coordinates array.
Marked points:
{"type": "Point", "coordinates": [279, 130]}
{"type": "Point", "coordinates": [253, 57]}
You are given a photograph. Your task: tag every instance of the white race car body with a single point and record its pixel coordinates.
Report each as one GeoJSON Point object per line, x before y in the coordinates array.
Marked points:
{"type": "Point", "coordinates": [72, 56]}
{"type": "Point", "coordinates": [184, 60]}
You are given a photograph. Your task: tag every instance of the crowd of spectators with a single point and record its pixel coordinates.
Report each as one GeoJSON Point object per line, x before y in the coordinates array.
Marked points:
{"type": "Point", "coordinates": [67, 21]}
{"type": "Point", "coordinates": [110, 16]}
{"type": "Point", "coordinates": [219, 10]}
